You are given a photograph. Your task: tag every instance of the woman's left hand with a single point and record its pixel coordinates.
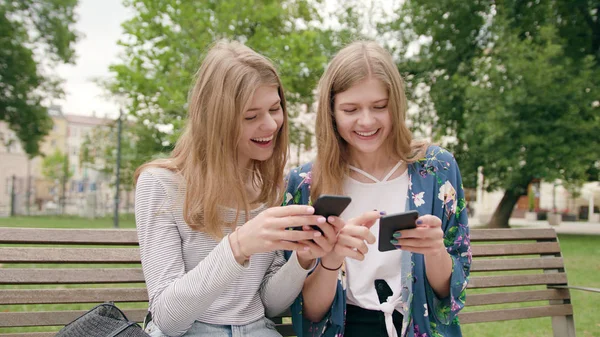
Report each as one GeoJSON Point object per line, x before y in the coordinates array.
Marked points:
{"type": "Point", "coordinates": [426, 239]}
{"type": "Point", "coordinates": [321, 246]}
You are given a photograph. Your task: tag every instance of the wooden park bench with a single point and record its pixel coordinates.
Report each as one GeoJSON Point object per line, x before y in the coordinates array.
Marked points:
{"type": "Point", "coordinates": [49, 277]}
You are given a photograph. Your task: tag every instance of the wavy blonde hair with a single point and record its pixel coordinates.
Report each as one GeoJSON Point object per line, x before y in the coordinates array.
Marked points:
{"type": "Point", "coordinates": [206, 154]}
{"type": "Point", "coordinates": [353, 64]}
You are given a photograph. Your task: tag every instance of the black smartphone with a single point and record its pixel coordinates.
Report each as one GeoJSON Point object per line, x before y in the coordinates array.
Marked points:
{"type": "Point", "coordinates": [389, 224]}
{"type": "Point", "coordinates": [328, 205]}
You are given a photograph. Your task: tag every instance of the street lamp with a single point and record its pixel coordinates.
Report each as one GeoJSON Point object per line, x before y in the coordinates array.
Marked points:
{"type": "Point", "coordinates": [118, 168]}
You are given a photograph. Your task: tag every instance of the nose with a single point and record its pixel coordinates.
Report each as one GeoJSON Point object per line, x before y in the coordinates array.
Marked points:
{"type": "Point", "coordinates": [365, 117]}
{"type": "Point", "coordinates": [269, 124]}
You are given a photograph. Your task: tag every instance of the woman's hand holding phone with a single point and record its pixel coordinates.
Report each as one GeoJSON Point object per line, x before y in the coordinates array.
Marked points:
{"type": "Point", "coordinates": [322, 245]}
{"type": "Point", "coordinates": [427, 238]}
{"type": "Point", "coordinates": [267, 231]}
{"type": "Point", "coordinates": [331, 207]}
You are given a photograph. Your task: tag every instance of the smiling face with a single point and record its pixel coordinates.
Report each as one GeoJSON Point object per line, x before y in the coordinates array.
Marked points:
{"type": "Point", "coordinates": [260, 126]}
{"type": "Point", "coordinates": [362, 117]}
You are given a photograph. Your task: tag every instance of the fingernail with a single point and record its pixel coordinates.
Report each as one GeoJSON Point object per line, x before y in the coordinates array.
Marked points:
{"type": "Point", "coordinates": [394, 242]}
{"type": "Point", "coordinates": [331, 219]}
{"type": "Point", "coordinates": [321, 220]}
{"type": "Point", "coordinates": [317, 234]}
{"type": "Point", "coordinates": [306, 248]}
{"type": "Point", "coordinates": [383, 212]}
{"type": "Point", "coordinates": [419, 222]}
{"type": "Point", "coordinates": [397, 235]}
{"type": "Point", "coordinates": [310, 209]}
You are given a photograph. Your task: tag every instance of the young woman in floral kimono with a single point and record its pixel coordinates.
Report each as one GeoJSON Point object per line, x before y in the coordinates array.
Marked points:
{"type": "Point", "coordinates": [366, 151]}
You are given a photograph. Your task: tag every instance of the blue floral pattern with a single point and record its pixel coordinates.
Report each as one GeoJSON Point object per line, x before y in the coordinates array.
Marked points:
{"type": "Point", "coordinates": [435, 187]}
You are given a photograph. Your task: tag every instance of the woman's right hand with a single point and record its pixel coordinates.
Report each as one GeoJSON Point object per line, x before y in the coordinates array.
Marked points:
{"type": "Point", "coordinates": [268, 230]}
{"type": "Point", "coordinates": [352, 239]}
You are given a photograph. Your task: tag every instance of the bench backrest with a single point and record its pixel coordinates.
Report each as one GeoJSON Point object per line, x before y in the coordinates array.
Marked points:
{"type": "Point", "coordinates": [529, 259]}
{"type": "Point", "coordinates": [49, 277]}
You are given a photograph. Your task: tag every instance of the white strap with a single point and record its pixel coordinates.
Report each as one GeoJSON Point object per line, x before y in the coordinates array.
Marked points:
{"type": "Point", "coordinates": [392, 171]}
{"type": "Point", "coordinates": [388, 308]}
{"type": "Point", "coordinates": [356, 169]}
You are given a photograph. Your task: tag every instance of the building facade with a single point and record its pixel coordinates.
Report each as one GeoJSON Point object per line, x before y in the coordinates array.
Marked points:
{"type": "Point", "coordinates": [14, 166]}
{"type": "Point", "coordinates": [88, 191]}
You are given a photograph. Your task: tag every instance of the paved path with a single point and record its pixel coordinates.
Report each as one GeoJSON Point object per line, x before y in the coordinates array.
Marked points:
{"type": "Point", "coordinates": [565, 227]}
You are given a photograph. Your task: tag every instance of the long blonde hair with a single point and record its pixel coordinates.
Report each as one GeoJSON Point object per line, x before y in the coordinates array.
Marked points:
{"type": "Point", "coordinates": [354, 63]}
{"type": "Point", "coordinates": [205, 155]}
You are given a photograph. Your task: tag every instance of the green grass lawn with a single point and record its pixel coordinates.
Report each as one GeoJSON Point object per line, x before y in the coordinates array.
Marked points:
{"type": "Point", "coordinates": [125, 221]}
{"type": "Point", "coordinates": [581, 254]}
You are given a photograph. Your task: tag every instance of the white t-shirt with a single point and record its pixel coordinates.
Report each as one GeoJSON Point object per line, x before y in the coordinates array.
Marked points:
{"type": "Point", "coordinates": [388, 196]}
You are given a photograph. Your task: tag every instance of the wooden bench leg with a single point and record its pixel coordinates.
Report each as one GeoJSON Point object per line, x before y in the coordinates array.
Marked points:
{"type": "Point", "coordinates": [563, 326]}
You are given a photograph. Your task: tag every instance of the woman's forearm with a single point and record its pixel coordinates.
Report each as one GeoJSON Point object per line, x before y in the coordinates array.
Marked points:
{"type": "Point", "coordinates": [438, 268]}
{"type": "Point", "coordinates": [319, 290]}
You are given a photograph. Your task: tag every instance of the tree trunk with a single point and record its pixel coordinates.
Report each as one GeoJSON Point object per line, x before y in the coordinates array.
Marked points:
{"type": "Point", "coordinates": [504, 210]}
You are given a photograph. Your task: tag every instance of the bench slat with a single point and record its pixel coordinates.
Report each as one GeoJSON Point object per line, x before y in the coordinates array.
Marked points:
{"type": "Point", "coordinates": [512, 234]}
{"type": "Point", "coordinates": [516, 249]}
{"type": "Point", "coordinates": [51, 296]}
{"type": "Point", "coordinates": [69, 236]}
{"type": "Point", "coordinates": [70, 255]}
{"type": "Point", "coordinates": [49, 318]}
{"type": "Point", "coordinates": [517, 297]}
{"type": "Point", "coordinates": [70, 276]}
{"type": "Point", "coordinates": [516, 264]}
{"type": "Point", "coordinates": [516, 313]}
{"type": "Point", "coordinates": [516, 280]}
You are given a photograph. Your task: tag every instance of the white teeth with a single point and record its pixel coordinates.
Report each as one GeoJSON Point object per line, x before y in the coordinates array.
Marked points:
{"type": "Point", "coordinates": [263, 140]}
{"type": "Point", "coordinates": [366, 134]}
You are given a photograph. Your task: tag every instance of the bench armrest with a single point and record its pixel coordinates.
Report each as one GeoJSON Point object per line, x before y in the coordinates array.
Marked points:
{"type": "Point", "coordinates": [594, 290]}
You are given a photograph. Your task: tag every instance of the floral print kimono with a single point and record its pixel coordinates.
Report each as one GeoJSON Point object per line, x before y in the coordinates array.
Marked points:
{"type": "Point", "coordinates": [435, 187]}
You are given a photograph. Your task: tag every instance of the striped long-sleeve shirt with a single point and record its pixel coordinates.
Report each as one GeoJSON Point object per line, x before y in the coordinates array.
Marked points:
{"type": "Point", "coordinates": [192, 277]}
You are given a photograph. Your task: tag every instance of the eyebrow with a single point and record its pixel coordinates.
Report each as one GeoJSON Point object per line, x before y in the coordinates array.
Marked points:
{"type": "Point", "coordinates": [257, 109]}
{"type": "Point", "coordinates": [374, 102]}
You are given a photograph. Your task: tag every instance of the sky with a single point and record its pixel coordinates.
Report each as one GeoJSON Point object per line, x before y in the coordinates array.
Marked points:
{"type": "Point", "coordinates": [100, 22]}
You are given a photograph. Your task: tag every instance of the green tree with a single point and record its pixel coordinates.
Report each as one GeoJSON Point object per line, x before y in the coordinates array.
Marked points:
{"type": "Point", "coordinates": [99, 152]}
{"type": "Point", "coordinates": [55, 167]}
{"type": "Point", "coordinates": [31, 29]}
{"type": "Point", "coordinates": [515, 84]}
{"type": "Point", "coordinates": [164, 41]}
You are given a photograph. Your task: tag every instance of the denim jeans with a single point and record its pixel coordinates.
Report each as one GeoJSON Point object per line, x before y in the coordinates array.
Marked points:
{"type": "Point", "coordinates": [263, 327]}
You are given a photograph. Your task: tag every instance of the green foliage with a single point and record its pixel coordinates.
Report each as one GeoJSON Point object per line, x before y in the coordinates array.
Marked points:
{"type": "Point", "coordinates": [531, 199]}
{"type": "Point", "coordinates": [99, 152]}
{"type": "Point", "coordinates": [55, 167]}
{"type": "Point", "coordinates": [515, 83]}
{"type": "Point", "coordinates": [165, 40]}
{"type": "Point", "coordinates": [29, 29]}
